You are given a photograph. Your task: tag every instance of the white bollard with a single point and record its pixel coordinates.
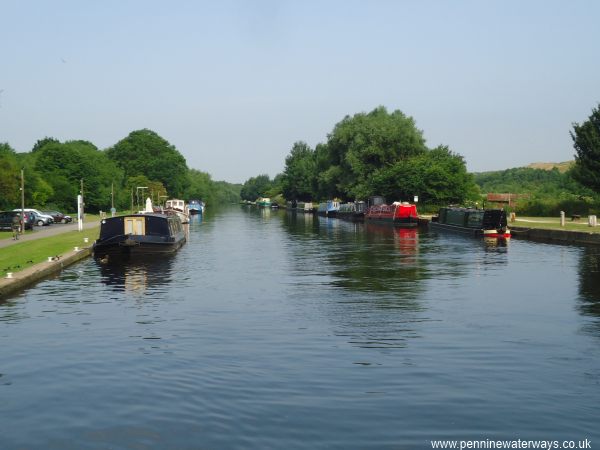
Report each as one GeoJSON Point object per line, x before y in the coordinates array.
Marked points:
{"type": "Point", "coordinates": [592, 221]}
{"type": "Point", "coordinates": [9, 274]}
{"type": "Point", "coordinates": [86, 240]}
{"type": "Point", "coordinates": [76, 249]}
{"type": "Point", "coordinates": [562, 218]}
{"type": "Point", "coordinates": [50, 259]}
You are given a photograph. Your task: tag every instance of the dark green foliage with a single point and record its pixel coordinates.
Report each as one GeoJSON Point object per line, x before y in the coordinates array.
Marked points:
{"type": "Point", "coordinates": [377, 153]}
{"type": "Point", "coordinates": [144, 152]}
{"type": "Point", "coordinates": [41, 142]}
{"type": "Point", "coordinates": [64, 165]}
{"type": "Point", "coordinates": [586, 140]}
{"type": "Point", "coordinates": [299, 177]}
{"type": "Point", "coordinates": [362, 144]}
{"type": "Point", "coordinates": [9, 177]}
{"type": "Point", "coordinates": [256, 187]}
{"type": "Point", "coordinates": [438, 177]}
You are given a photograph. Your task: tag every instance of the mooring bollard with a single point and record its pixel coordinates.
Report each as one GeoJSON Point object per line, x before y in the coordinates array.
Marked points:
{"type": "Point", "coordinates": [562, 218]}
{"type": "Point", "coordinates": [76, 249]}
{"type": "Point", "coordinates": [592, 221]}
{"type": "Point", "coordinates": [86, 240]}
{"type": "Point", "coordinates": [9, 274]}
{"type": "Point", "coordinates": [50, 258]}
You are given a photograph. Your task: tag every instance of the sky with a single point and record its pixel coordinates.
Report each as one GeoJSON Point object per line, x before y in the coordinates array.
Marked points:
{"type": "Point", "coordinates": [233, 84]}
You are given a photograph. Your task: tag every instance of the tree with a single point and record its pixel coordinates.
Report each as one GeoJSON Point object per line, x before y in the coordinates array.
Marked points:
{"type": "Point", "coordinates": [64, 165]}
{"type": "Point", "coordinates": [299, 176]}
{"type": "Point", "coordinates": [586, 140]}
{"type": "Point", "coordinates": [200, 186]}
{"type": "Point", "coordinates": [41, 142]}
{"type": "Point", "coordinates": [360, 145]}
{"type": "Point", "coordinates": [9, 177]}
{"type": "Point", "coordinates": [256, 187]}
{"type": "Point", "coordinates": [438, 177]}
{"type": "Point", "coordinates": [143, 152]}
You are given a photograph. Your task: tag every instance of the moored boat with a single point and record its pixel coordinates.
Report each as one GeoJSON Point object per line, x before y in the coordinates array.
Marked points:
{"type": "Point", "coordinates": [196, 207]}
{"type": "Point", "coordinates": [179, 207]}
{"type": "Point", "coordinates": [263, 202]}
{"type": "Point", "coordinates": [139, 234]}
{"type": "Point", "coordinates": [399, 214]}
{"type": "Point", "coordinates": [489, 223]}
{"type": "Point", "coordinates": [352, 210]}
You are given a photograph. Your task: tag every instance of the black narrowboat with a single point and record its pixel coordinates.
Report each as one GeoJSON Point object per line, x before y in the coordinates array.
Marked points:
{"type": "Point", "coordinates": [139, 234]}
{"type": "Point", "coordinates": [478, 222]}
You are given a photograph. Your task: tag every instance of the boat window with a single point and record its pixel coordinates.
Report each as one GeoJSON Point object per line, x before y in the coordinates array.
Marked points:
{"type": "Point", "coordinates": [135, 226]}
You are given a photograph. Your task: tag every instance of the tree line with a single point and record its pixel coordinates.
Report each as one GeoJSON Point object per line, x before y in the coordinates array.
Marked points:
{"type": "Point", "coordinates": [374, 153]}
{"type": "Point", "coordinates": [382, 153]}
{"type": "Point", "coordinates": [54, 170]}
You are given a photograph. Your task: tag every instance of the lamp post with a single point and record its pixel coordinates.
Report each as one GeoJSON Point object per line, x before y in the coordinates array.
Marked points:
{"type": "Point", "coordinates": [137, 194]}
{"type": "Point", "coordinates": [22, 200]}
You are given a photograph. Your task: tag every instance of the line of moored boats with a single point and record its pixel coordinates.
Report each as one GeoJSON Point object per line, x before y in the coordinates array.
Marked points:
{"type": "Point", "coordinates": [159, 230]}
{"type": "Point", "coordinates": [490, 223]}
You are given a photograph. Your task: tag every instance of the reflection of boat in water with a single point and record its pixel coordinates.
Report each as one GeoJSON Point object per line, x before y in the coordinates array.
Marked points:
{"type": "Point", "coordinates": [196, 207]}
{"type": "Point", "coordinates": [139, 234]}
{"type": "Point", "coordinates": [178, 207]}
{"type": "Point", "coordinates": [488, 223]}
{"type": "Point", "coordinates": [140, 275]}
{"type": "Point", "coordinates": [405, 239]}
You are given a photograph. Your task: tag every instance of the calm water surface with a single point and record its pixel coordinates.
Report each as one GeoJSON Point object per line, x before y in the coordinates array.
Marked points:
{"type": "Point", "coordinates": [270, 330]}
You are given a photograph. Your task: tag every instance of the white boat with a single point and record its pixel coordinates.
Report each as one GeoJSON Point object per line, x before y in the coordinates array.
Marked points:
{"type": "Point", "coordinates": [180, 208]}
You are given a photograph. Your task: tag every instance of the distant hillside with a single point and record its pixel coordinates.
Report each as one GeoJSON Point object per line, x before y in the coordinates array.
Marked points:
{"type": "Point", "coordinates": [561, 166]}
{"type": "Point", "coordinates": [537, 179]}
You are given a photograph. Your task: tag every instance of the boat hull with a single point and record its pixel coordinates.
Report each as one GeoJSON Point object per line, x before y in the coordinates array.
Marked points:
{"type": "Point", "coordinates": [129, 247]}
{"type": "Point", "coordinates": [477, 232]}
{"type": "Point", "coordinates": [397, 222]}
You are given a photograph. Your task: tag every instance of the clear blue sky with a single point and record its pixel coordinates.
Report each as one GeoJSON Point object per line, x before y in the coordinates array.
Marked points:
{"type": "Point", "coordinates": [233, 84]}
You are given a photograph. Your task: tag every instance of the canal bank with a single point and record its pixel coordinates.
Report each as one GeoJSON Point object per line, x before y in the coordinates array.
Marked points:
{"type": "Point", "coordinates": [553, 235]}
{"type": "Point", "coordinates": [30, 275]}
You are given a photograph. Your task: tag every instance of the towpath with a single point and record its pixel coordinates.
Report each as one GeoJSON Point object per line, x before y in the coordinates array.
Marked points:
{"type": "Point", "coordinates": [51, 230]}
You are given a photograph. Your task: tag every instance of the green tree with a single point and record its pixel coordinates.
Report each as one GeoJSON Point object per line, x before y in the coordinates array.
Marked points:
{"type": "Point", "coordinates": [361, 145]}
{"type": "Point", "coordinates": [9, 177]}
{"type": "Point", "coordinates": [256, 187]}
{"type": "Point", "coordinates": [586, 140]}
{"type": "Point", "coordinates": [41, 142]}
{"type": "Point", "coordinates": [438, 177]}
{"type": "Point", "coordinates": [200, 186]}
{"type": "Point", "coordinates": [143, 152]}
{"type": "Point", "coordinates": [64, 165]}
{"type": "Point", "coordinates": [299, 176]}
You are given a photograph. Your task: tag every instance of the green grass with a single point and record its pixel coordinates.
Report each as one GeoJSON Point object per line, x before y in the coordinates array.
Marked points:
{"type": "Point", "coordinates": [25, 254]}
{"type": "Point", "coordinates": [553, 223]}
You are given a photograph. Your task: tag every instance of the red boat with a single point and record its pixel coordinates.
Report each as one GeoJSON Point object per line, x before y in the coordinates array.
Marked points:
{"type": "Point", "coordinates": [399, 214]}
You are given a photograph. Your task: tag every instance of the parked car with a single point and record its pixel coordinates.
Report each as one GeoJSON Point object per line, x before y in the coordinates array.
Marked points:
{"type": "Point", "coordinates": [40, 218]}
{"type": "Point", "coordinates": [6, 220]}
{"type": "Point", "coordinates": [59, 217]}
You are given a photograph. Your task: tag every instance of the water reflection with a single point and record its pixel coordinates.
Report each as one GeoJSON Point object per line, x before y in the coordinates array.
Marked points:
{"type": "Point", "coordinates": [589, 281]}
{"type": "Point", "coordinates": [151, 275]}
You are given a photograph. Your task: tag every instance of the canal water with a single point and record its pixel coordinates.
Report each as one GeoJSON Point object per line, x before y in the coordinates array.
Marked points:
{"type": "Point", "coordinates": [269, 330]}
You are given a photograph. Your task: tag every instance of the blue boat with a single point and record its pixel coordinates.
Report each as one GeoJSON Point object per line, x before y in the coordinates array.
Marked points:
{"type": "Point", "coordinates": [196, 207]}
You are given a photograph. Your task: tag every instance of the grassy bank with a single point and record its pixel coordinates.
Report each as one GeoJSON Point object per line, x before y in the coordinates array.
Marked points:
{"type": "Point", "coordinates": [553, 223]}
{"type": "Point", "coordinates": [27, 253]}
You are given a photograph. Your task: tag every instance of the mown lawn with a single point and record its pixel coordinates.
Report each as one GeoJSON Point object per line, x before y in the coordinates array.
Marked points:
{"type": "Point", "coordinates": [19, 256]}
{"type": "Point", "coordinates": [553, 223]}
